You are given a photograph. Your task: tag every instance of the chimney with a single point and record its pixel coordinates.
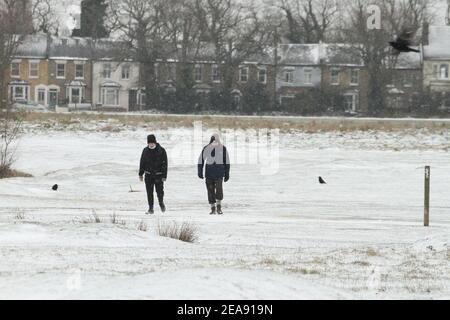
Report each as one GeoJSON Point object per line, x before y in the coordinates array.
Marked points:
{"type": "Point", "coordinates": [425, 33]}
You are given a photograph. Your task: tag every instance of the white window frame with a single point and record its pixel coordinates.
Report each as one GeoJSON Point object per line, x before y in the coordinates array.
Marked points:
{"type": "Point", "coordinates": [352, 71]}
{"type": "Point", "coordinates": [262, 71]}
{"type": "Point", "coordinates": [198, 73]}
{"type": "Point", "coordinates": [335, 79]}
{"type": "Point", "coordinates": [35, 68]}
{"type": "Point", "coordinates": [307, 76]}
{"type": "Point", "coordinates": [70, 94]}
{"type": "Point", "coordinates": [244, 73]}
{"type": "Point", "coordinates": [107, 70]}
{"type": "Point", "coordinates": [103, 96]}
{"type": "Point", "coordinates": [354, 101]}
{"type": "Point", "coordinates": [77, 65]}
{"type": "Point", "coordinates": [57, 70]}
{"type": "Point", "coordinates": [25, 92]}
{"type": "Point", "coordinates": [17, 63]}
{"type": "Point", "coordinates": [172, 72]}
{"type": "Point", "coordinates": [288, 75]}
{"type": "Point", "coordinates": [125, 72]}
{"type": "Point", "coordinates": [443, 71]}
{"type": "Point", "coordinates": [215, 73]}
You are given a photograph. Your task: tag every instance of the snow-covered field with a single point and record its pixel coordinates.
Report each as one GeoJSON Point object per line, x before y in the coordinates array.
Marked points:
{"type": "Point", "coordinates": [283, 236]}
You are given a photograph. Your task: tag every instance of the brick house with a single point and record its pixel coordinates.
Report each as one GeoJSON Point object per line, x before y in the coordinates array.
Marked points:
{"type": "Point", "coordinates": [298, 70]}
{"type": "Point", "coordinates": [406, 82]}
{"type": "Point", "coordinates": [70, 72]}
{"type": "Point", "coordinates": [344, 72]}
{"type": "Point", "coordinates": [29, 71]}
{"type": "Point", "coordinates": [436, 64]}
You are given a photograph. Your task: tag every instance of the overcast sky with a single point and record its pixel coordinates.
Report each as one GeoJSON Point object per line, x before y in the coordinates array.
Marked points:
{"type": "Point", "coordinates": [67, 7]}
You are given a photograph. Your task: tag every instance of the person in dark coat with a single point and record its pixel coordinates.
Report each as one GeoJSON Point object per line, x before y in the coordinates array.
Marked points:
{"type": "Point", "coordinates": [217, 170]}
{"type": "Point", "coordinates": [154, 165]}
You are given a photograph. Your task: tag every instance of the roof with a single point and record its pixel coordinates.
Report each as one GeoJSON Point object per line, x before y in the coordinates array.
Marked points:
{"type": "Point", "coordinates": [32, 46]}
{"type": "Point", "coordinates": [299, 54]}
{"type": "Point", "coordinates": [409, 60]}
{"type": "Point", "coordinates": [439, 43]}
{"type": "Point", "coordinates": [340, 55]}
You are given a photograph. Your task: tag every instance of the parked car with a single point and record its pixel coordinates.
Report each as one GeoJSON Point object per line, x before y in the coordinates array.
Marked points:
{"type": "Point", "coordinates": [23, 105]}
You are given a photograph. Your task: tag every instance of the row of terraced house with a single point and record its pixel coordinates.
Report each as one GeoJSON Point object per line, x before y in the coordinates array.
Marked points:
{"type": "Point", "coordinates": [56, 71]}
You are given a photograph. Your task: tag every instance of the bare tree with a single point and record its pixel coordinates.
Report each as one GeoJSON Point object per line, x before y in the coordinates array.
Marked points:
{"type": "Point", "coordinates": [142, 25]}
{"type": "Point", "coordinates": [235, 30]}
{"type": "Point", "coordinates": [15, 22]}
{"type": "Point", "coordinates": [44, 16]}
{"type": "Point", "coordinates": [372, 45]}
{"type": "Point", "coordinates": [10, 128]}
{"type": "Point", "coordinates": [309, 21]}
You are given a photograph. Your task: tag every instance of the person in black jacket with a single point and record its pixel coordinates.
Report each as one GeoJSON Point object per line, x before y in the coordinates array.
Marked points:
{"type": "Point", "coordinates": [217, 170]}
{"type": "Point", "coordinates": [154, 166]}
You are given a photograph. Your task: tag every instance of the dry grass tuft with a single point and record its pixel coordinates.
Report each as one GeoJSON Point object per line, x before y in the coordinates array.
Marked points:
{"type": "Point", "coordinates": [116, 220]}
{"type": "Point", "coordinates": [372, 252]}
{"type": "Point", "coordinates": [185, 232]}
{"type": "Point", "coordinates": [6, 172]}
{"type": "Point", "coordinates": [110, 128]}
{"type": "Point", "coordinates": [19, 215]}
{"type": "Point", "coordinates": [142, 226]}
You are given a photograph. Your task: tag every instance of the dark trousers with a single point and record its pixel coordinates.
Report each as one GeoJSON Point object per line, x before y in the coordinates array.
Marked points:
{"type": "Point", "coordinates": [215, 190]}
{"type": "Point", "coordinates": [152, 182]}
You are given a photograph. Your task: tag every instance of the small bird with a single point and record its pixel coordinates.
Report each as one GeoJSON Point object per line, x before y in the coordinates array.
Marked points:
{"type": "Point", "coordinates": [403, 42]}
{"type": "Point", "coordinates": [321, 181]}
{"type": "Point", "coordinates": [55, 187]}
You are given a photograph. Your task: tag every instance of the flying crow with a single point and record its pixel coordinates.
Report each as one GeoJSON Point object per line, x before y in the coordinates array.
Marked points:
{"type": "Point", "coordinates": [321, 181]}
{"type": "Point", "coordinates": [403, 42]}
{"type": "Point", "coordinates": [55, 187]}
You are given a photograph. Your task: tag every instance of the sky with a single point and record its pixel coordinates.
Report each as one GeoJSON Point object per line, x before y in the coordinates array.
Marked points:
{"type": "Point", "coordinates": [67, 8]}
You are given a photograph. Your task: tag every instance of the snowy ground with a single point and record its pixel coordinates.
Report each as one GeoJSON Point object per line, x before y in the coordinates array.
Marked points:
{"type": "Point", "coordinates": [283, 236]}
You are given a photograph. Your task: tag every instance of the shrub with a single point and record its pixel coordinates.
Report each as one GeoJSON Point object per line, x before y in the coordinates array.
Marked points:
{"type": "Point", "coordinates": [185, 232]}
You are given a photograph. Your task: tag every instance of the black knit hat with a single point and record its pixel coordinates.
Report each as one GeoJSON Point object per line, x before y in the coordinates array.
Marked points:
{"type": "Point", "coordinates": [151, 139]}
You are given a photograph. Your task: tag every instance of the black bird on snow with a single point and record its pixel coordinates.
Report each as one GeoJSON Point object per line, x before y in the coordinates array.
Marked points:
{"type": "Point", "coordinates": [403, 42]}
{"type": "Point", "coordinates": [321, 181]}
{"type": "Point", "coordinates": [55, 187]}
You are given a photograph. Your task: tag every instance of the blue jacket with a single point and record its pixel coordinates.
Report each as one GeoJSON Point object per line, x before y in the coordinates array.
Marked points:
{"type": "Point", "coordinates": [217, 161]}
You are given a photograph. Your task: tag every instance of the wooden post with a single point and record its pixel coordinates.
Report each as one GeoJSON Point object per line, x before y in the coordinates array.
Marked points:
{"type": "Point", "coordinates": [426, 217]}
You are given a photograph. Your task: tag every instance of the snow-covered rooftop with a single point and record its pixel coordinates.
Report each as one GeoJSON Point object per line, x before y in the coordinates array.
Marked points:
{"type": "Point", "coordinates": [439, 43]}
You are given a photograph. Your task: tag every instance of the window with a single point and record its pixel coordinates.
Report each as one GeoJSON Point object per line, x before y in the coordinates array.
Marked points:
{"type": "Point", "coordinates": [107, 70]}
{"type": "Point", "coordinates": [351, 101]}
{"type": "Point", "coordinates": [198, 73]}
{"type": "Point", "coordinates": [41, 93]}
{"type": "Point", "coordinates": [408, 81]}
{"type": "Point", "coordinates": [126, 70]}
{"type": "Point", "coordinates": [262, 75]}
{"type": "Point", "coordinates": [243, 74]}
{"type": "Point", "coordinates": [215, 74]}
{"type": "Point", "coordinates": [15, 70]}
{"type": "Point", "coordinates": [34, 69]}
{"type": "Point", "coordinates": [308, 76]}
{"type": "Point", "coordinates": [354, 77]}
{"type": "Point", "coordinates": [75, 95]}
{"type": "Point", "coordinates": [335, 77]}
{"type": "Point", "coordinates": [110, 97]}
{"type": "Point", "coordinates": [64, 42]}
{"type": "Point", "coordinates": [172, 69]}
{"type": "Point", "coordinates": [288, 76]}
{"type": "Point", "coordinates": [61, 71]}
{"type": "Point", "coordinates": [79, 71]}
{"type": "Point", "coordinates": [19, 92]}
{"type": "Point", "coordinates": [443, 71]}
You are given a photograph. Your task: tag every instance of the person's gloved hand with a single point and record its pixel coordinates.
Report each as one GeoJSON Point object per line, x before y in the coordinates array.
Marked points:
{"type": "Point", "coordinates": [164, 179]}
{"type": "Point", "coordinates": [227, 177]}
{"type": "Point", "coordinates": [200, 175]}
{"type": "Point", "coordinates": [141, 178]}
